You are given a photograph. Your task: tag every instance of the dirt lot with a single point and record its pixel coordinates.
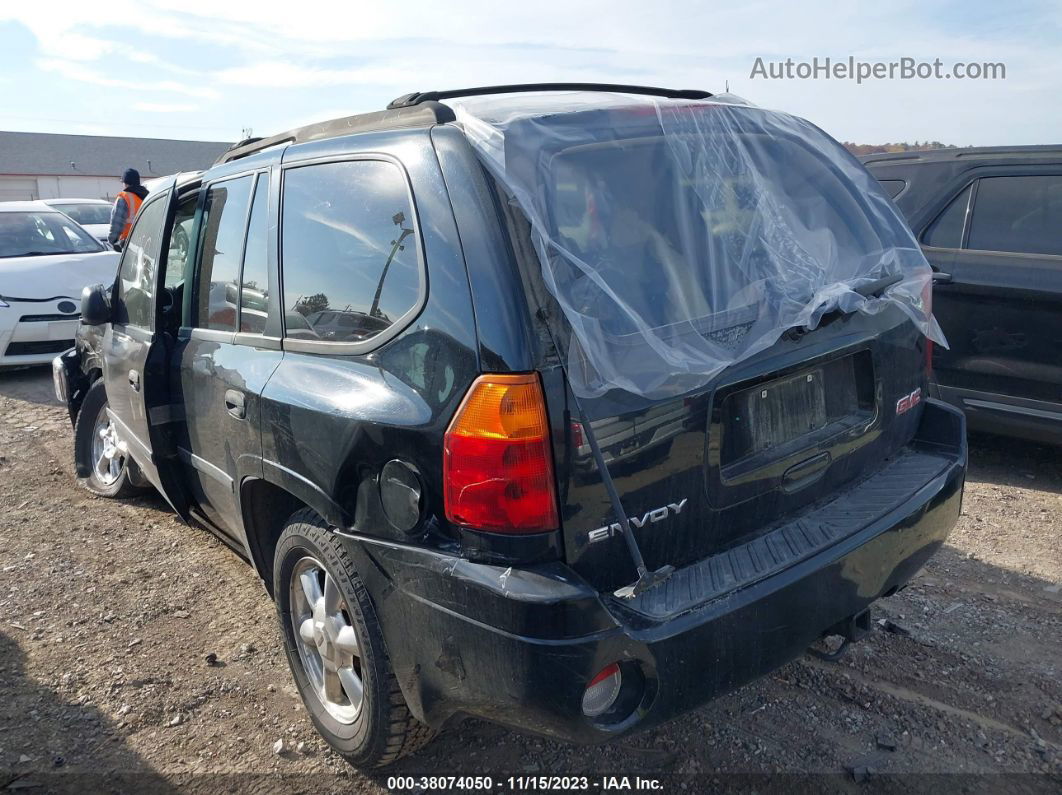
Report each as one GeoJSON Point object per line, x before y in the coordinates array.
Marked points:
{"type": "Point", "coordinates": [109, 609]}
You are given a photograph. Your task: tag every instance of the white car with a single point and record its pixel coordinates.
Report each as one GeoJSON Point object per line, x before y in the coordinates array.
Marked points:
{"type": "Point", "coordinates": [93, 214]}
{"type": "Point", "coordinates": [45, 260]}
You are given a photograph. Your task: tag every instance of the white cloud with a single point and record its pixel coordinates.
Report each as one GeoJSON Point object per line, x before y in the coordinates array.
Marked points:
{"type": "Point", "coordinates": [365, 52]}
{"type": "Point", "coordinates": [72, 70]}
{"type": "Point", "coordinates": [163, 107]}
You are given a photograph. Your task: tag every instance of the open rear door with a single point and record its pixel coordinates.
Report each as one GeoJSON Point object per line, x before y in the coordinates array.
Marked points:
{"type": "Point", "coordinates": [137, 346]}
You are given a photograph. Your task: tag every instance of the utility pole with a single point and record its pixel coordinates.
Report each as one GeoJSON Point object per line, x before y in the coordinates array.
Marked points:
{"type": "Point", "coordinates": [396, 245]}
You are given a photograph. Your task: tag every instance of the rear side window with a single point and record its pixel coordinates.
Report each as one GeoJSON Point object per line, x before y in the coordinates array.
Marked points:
{"type": "Point", "coordinates": [946, 231]}
{"type": "Point", "coordinates": [136, 280]}
{"type": "Point", "coordinates": [224, 223]}
{"type": "Point", "coordinates": [350, 261]}
{"type": "Point", "coordinates": [1018, 214]}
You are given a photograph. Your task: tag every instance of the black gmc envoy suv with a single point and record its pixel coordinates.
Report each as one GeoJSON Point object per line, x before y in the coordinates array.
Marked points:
{"type": "Point", "coordinates": [337, 350]}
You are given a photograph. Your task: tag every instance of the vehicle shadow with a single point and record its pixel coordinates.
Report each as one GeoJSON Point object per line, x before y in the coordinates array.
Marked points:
{"type": "Point", "coordinates": [31, 384]}
{"type": "Point", "coordinates": [1015, 462]}
{"type": "Point", "coordinates": [50, 744]}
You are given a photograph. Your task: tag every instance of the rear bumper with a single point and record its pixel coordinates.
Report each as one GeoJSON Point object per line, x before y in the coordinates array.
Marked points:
{"type": "Point", "coordinates": [519, 646]}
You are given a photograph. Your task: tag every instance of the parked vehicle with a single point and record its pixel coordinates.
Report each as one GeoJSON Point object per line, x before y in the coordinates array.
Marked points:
{"type": "Point", "coordinates": [93, 214]}
{"type": "Point", "coordinates": [45, 261]}
{"type": "Point", "coordinates": [385, 424]}
{"type": "Point", "coordinates": [990, 223]}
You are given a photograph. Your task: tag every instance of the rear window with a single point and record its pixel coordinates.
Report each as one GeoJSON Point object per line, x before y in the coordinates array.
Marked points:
{"type": "Point", "coordinates": [676, 244]}
{"type": "Point", "coordinates": [86, 213]}
{"type": "Point", "coordinates": [680, 237]}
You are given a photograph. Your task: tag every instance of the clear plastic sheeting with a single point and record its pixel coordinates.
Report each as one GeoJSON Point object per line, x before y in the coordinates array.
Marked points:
{"type": "Point", "coordinates": [681, 237]}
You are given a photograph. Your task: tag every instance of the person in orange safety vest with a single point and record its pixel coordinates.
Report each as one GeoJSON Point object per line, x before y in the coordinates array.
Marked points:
{"type": "Point", "coordinates": [125, 207]}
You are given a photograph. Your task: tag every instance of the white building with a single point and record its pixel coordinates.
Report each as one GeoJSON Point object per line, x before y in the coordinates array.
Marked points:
{"type": "Point", "coordinates": [49, 166]}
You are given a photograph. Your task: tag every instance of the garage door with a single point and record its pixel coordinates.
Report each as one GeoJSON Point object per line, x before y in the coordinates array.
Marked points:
{"type": "Point", "coordinates": [17, 189]}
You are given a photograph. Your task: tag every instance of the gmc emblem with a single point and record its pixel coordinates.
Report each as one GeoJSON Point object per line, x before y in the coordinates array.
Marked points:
{"type": "Point", "coordinates": [908, 402]}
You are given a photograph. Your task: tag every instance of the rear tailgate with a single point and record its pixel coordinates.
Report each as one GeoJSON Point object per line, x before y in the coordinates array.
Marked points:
{"type": "Point", "coordinates": [769, 440]}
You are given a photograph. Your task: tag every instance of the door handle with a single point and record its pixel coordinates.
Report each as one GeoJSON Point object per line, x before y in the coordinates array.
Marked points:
{"type": "Point", "coordinates": [939, 277]}
{"type": "Point", "coordinates": [134, 380]}
{"type": "Point", "coordinates": [234, 402]}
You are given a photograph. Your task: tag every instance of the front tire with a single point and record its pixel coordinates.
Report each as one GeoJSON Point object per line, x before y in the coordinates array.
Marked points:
{"type": "Point", "coordinates": [111, 472]}
{"type": "Point", "coordinates": [336, 649]}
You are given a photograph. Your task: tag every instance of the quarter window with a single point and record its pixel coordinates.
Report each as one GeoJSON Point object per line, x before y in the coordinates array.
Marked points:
{"type": "Point", "coordinates": [350, 261]}
{"type": "Point", "coordinates": [946, 231]}
{"type": "Point", "coordinates": [893, 187]}
{"type": "Point", "coordinates": [224, 224]}
{"type": "Point", "coordinates": [1018, 214]}
{"type": "Point", "coordinates": [136, 280]}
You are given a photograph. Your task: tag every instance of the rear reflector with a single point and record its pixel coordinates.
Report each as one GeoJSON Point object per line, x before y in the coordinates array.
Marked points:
{"type": "Point", "coordinates": [602, 691]}
{"type": "Point", "coordinates": [497, 459]}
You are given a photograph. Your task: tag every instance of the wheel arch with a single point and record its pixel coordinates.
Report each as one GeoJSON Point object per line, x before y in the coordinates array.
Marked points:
{"type": "Point", "coordinates": [265, 508]}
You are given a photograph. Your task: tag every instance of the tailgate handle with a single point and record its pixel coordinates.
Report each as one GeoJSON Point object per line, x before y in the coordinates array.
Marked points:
{"type": "Point", "coordinates": [805, 473]}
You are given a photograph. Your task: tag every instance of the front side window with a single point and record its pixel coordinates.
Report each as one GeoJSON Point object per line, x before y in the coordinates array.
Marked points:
{"type": "Point", "coordinates": [40, 234]}
{"type": "Point", "coordinates": [1018, 214]}
{"type": "Point", "coordinates": [136, 279]}
{"type": "Point", "coordinates": [223, 226]}
{"type": "Point", "coordinates": [180, 242]}
{"type": "Point", "coordinates": [350, 263]}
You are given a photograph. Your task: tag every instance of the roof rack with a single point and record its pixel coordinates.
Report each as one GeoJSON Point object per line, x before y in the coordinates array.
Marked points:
{"type": "Point", "coordinates": [416, 98]}
{"type": "Point", "coordinates": [421, 115]}
{"type": "Point", "coordinates": [421, 109]}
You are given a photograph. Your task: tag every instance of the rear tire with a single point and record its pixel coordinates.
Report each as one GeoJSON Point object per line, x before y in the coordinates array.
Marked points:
{"type": "Point", "coordinates": [336, 649]}
{"type": "Point", "coordinates": [111, 473]}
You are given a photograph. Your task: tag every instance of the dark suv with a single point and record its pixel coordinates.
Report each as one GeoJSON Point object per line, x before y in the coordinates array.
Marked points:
{"type": "Point", "coordinates": [990, 223]}
{"type": "Point", "coordinates": [340, 350]}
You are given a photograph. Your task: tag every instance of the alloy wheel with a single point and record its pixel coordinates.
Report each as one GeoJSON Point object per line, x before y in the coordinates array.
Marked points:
{"type": "Point", "coordinates": [326, 640]}
{"type": "Point", "coordinates": [108, 460]}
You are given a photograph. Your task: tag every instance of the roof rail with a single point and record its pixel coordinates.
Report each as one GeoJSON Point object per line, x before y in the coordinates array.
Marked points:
{"type": "Point", "coordinates": [416, 98]}
{"type": "Point", "coordinates": [421, 115]}
{"type": "Point", "coordinates": [421, 109]}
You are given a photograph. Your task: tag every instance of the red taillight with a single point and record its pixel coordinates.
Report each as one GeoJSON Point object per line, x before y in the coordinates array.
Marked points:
{"type": "Point", "coordinates": [577, 434]}
{"type": "Point", "coordinates": [497, 460]}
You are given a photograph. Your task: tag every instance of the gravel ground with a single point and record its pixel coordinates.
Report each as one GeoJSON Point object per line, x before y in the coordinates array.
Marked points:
{"type": "Point", "coordinates": [109, 609]}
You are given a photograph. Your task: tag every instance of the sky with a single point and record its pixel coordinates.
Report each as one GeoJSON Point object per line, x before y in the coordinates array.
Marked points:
{"type": "Point", "coordinates": [211, 69]}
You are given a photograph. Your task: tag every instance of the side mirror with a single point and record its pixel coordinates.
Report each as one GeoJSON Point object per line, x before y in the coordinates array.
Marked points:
{"type": "Point", "coordinates": [95, 305]}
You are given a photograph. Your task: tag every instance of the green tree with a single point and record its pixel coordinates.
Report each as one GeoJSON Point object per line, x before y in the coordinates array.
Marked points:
{"type": "Point", "coordinates": [309, 304]}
